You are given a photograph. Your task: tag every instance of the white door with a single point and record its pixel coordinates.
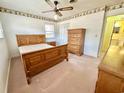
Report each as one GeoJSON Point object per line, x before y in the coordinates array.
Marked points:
{"type": "Point", "coordinates": [63, 33]}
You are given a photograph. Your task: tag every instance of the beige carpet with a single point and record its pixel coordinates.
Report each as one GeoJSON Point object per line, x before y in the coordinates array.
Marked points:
{"type": "Point", "coordinates": [79, 75]}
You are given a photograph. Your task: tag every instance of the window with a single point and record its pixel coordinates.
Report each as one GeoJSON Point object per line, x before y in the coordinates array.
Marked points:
{"type": "Point", "coordinates": [1, 31]}
{"type": "Point", "coordinates": [49, 30]}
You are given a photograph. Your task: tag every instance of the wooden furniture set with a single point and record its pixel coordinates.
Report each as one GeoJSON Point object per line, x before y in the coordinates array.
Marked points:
{"type": "Point", "coordinates": [38, 56]}
{"type": "Point", "coordinates": [111, 72]}
{"type": "Point", "coordinates": [76, 41]}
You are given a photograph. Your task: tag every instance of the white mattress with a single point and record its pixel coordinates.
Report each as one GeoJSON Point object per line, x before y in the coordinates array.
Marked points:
{"type": "Point", "coordinates": [32, 48]}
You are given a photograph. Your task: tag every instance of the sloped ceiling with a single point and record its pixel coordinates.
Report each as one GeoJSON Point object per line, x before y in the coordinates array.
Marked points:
{"type": "Point", "coordinates": [37, 6]}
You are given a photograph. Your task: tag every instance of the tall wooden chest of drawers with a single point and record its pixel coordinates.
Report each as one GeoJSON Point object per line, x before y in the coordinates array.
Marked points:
{"type": "Point", "coordinates": [76, 41]}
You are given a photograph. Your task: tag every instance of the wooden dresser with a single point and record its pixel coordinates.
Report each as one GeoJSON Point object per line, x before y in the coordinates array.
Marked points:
{"type": "Point", "coordinates": [111, 72]}
{"type": "Point", "coordinates": [76, 41]}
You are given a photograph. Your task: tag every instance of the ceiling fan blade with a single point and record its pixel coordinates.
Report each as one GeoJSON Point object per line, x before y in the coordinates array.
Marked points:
{"type": "Point", "coordinates": [59, 13]}
{"type": "Point", "coordinates": [49, 3]}
{"type": "Point", "coordinates": [48, 11]}
{"type": "Point", "coordinates": [65, 8]}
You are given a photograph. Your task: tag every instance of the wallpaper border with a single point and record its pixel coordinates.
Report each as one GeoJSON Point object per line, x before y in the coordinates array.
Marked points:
{"type": "Point", "coordinates": [15, 12]}
{"type": "Point", "coordinates": [95, 10]}
{"type": "Point", "coordinates": [83, 13]}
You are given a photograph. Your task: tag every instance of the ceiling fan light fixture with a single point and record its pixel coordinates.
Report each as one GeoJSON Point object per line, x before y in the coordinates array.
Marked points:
{"type": "Point", "coordinates": [57, 10]}
{"type": "Point", "coordinates": [56, 17]}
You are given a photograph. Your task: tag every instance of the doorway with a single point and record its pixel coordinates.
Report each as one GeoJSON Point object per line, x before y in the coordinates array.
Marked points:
{"type": "Point", "coordinates": [113, 34]}
{"type": "Point", "coordinates": [63, 33]}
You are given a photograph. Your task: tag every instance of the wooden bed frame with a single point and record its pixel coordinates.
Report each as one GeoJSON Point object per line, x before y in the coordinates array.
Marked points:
{"type": "Point", "coordinates": [38, 61]}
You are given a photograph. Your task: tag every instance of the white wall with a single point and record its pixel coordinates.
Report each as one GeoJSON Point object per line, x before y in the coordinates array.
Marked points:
{"type": "Point", "coordinates": [115, 12]}
{"type": "Point", "coordinates": [93, 24]}
{"type": "Point", "coordinates": [14, 24]}
{"type": "Point", "coordinates": [4, 63]}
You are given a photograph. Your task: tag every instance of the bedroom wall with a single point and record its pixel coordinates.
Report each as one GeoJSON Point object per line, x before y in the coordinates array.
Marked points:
{"type": "Point", "coordinates": [115, 12]}
{"type": "Point", "coordinates": [14, 24]}
{"type": "Point", "coordinates": [93, 24]}
{"type": "Point", "coordinates": [4, 64]}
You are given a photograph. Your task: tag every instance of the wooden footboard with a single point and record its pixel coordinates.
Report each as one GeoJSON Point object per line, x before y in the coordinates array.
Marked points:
{"type": "Point", "coordinates": [38, 61]}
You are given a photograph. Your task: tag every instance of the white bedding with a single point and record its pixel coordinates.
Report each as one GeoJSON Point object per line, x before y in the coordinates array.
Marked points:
{"type": "Point", "coordinates": [32, 48]}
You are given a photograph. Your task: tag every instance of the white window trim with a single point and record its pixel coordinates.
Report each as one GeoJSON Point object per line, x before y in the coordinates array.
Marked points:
{"type": "Point", "coordinates": [53, 31]}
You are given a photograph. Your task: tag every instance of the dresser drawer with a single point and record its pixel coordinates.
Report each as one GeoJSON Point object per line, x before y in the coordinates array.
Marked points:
{"type": "Point", "coordinates": [75, 35]}
{"type": "Point", "coordinates": [73, 47]}
{"type": "Point", "coordinates": [75, 41]}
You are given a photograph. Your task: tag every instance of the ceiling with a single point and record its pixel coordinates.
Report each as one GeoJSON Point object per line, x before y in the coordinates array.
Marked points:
{"type": "Point", "coordinates": [36, 6]}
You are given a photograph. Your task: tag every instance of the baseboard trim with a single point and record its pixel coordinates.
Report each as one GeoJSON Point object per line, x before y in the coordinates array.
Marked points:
{"type": "Point", "coordinates": [90, 56]}
{"type": "Point", "coordinates": [7, 79]}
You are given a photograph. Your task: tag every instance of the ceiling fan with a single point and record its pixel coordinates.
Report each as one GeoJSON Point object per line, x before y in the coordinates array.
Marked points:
{"type": "Point", "coordinates": [56, 9]}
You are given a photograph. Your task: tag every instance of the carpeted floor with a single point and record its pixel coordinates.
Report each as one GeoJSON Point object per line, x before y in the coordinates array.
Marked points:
{"type": "Point", "coordinates": [79, 75]}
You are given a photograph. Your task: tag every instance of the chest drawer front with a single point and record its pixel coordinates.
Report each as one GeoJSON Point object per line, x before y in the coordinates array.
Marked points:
{"type": "Point", "coordinates": [74, 35]}
{"type": "Point", "coordinates": [73, 47]}
{"type": "Point", "coordinates": [75, 41]}
{"type": "Point", "coordinates": [34, 59]}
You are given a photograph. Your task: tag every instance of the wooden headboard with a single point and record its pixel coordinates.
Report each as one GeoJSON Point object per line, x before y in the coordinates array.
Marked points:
{"type": "Point", "coordinates": [30, 39]}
